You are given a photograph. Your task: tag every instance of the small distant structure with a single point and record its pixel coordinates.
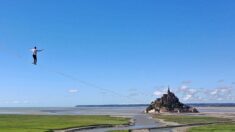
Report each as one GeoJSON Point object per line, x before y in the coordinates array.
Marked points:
{"type": "Point", "coordinates": [169, 103]}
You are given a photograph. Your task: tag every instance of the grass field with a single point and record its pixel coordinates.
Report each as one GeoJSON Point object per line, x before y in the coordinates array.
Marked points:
{"type": "Point", "coordinates": [190, 119]}
{"type": "Point", "coordinates": [119, 131]}
{"type": "Point", "coordinates": [228, 127]}
{"type": "Point", "coordinates": [45, 123]}
{"type": "Point", "coordinates": [221, 127]}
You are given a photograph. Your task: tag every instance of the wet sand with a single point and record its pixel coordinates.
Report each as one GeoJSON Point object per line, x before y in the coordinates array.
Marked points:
{"type": "Point", "coordinates": [99, 110]}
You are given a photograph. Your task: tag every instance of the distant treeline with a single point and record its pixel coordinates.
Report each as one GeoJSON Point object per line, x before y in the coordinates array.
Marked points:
{"type": "Point", "coordinates": [115, 105]}
{"type": "Point", "coordinates": [146, 105]}
{"type": "Point", "coordinates": [212, 104]}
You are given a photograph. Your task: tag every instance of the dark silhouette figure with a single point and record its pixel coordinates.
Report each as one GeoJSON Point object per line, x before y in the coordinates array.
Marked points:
{"type": "Point", "coordinates": [35, 51]}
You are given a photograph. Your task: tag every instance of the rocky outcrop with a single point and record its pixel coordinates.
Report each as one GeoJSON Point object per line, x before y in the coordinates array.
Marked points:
{"type": "Point", "coordinates": [169, 103]}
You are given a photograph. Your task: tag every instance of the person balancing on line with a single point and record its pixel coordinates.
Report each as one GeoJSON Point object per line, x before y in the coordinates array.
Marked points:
{"type": "Point", "coordinates": [35, 51]}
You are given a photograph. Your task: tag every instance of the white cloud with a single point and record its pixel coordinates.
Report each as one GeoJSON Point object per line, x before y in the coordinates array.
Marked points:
{"type": "Point", "coordinates": [214, 92]}
{"type": "Point", "coordinates": [15, 102]}
{"type": "Point", "coordinates": [187, 90]}
{"type": "Point", "coordinates": [188, 94]}
{"type": "Point", "coordinates": [159, 93]}
{"type": "Point", "coordinates": [192, 91]}
{"type": "Point", "coordinates": [183, 87]}
{"type": "Point", "coordinates": [73, 90]}
{"type": "Point", "coordinates": [187, 97]}
{"type": "Point", "coordinates": [224, 90]}
{"type": "Point", "coordinates": [224, 93]}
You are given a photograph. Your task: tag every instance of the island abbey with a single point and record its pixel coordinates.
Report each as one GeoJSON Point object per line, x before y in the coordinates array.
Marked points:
{"type": "Point", "coordinates": [169, 103]}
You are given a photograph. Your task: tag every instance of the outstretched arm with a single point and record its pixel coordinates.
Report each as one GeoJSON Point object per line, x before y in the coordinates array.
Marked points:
{"type": "Point", "coordinates": [40, 50]}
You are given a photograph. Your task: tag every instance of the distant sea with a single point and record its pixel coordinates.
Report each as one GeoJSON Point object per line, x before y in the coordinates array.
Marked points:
{"type": "Point", "coordinates": [145, 105]}
{"type": "Point", "coordinates": [124, 110]}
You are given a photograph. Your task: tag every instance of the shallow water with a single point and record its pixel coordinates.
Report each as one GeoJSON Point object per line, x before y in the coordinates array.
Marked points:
{"type": "Point", "coordinates": [217, 109]}
{"type": "Point", "coordinates": [74, 110]}
{"type": "Point", "coordinates": [141, 121]}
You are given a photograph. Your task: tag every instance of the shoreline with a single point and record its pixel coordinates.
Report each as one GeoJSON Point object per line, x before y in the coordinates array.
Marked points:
{"type": "Point", "coordinates": [129, 111]}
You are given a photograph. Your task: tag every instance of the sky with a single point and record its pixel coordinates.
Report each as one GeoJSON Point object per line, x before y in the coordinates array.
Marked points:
{"type": "Point", "coordinates": [116, 51]}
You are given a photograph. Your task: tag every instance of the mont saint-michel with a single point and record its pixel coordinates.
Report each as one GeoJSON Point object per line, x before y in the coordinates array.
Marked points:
{"type": "Point", "coordinates": [169, 103]}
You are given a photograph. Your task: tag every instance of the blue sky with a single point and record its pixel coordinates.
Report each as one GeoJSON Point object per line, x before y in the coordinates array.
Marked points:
{"type": "Point", "coordinates": [131, 50]}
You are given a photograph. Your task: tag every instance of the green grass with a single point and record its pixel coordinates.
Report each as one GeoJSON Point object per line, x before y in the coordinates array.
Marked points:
{"type": "Point", "coordinates": [44, 123]}
{"type": "Point", "coordinates": [220, 127]}
{"type": "Point", "coordinates": [190, 119]}
{"type": "Point", "coordinates": [119, 131]}
{"type": "Point", "coordinates": [228, 127]}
